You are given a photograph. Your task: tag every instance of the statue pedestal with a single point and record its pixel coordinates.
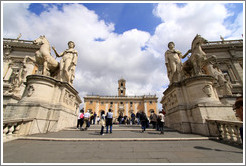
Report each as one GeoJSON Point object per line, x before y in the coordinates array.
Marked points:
{"type": "Point", "coordinates": [190, 102]}
{"type": "Point", "coordinates": [53, 105]}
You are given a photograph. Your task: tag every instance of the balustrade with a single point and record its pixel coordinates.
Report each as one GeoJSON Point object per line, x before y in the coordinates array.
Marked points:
{"type": "Point", "coordinates": [226, 130]}
{"type": "Point", "coordinates": [12, 127]}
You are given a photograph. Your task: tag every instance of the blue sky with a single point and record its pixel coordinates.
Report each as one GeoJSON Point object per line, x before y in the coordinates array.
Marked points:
{"type": "Point", "coordinates": [126, 16]}
{"type": "Point", "coordinates": [126, 40]}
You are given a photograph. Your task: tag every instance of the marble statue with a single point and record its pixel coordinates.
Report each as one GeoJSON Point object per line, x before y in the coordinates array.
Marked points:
{"type": "Point", "coordinates": [173, 62]}
{"type": "Point", "coordinates": [43, 59]}
{"type": "Point", "coordinates": [67, 63]}
{"type": "Point", "coordinates": [16, 80]}
{"type": "Point", "coordinates": [193, 66]}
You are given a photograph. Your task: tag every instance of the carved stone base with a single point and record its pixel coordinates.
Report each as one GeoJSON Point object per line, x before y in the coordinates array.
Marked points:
{"type": "Point", "coordinates": [190, 102]}
{"type": "Point", "coordinates": [53, 105]}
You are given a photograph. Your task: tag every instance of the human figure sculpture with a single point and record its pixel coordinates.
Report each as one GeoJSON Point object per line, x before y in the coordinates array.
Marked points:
{"type": "Point", "coordinates": [228, 85]}
{"type": "Point", "coordinates": [173, 62]}
{"type": "Point", "coordinates": [67, 63]}
{"type": "Point", "coordinates": [17, 79]}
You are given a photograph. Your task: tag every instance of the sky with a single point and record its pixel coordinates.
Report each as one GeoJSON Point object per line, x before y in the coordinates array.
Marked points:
{"type": "Point", "coordinates": [122, 40]}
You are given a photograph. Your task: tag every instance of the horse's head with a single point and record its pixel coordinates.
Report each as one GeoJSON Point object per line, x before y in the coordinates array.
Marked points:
{"type": "Point", "coordinates": [198, 40]}
{"type": "Point", "coordinates": [39, 41]}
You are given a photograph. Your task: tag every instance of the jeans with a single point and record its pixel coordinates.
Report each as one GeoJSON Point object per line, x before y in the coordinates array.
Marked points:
{"type": "Point", "coordinates": [102, 128]}
{"type": "Point", "coordinates": [161, 127]}
{"type": "Point", "coordinates": [143, 123]}
{"type": "Point", "coordinates": [110, 129]}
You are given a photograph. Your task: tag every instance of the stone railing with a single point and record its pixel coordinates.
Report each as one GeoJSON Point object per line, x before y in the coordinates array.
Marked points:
{"type": "Point", "coordinates": [225, 130]}
{"type": "Point", "coordinates": [223, 42]}
{"type": "Point", "coordinates": [16, 127]}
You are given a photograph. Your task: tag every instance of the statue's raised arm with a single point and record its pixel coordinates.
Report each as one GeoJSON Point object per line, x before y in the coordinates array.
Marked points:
{"type": "Point", "coordinates": [68, 63]}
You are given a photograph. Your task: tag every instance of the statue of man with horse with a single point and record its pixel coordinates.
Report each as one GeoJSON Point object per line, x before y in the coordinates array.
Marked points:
{"type": "Point", "coordinates": [195, 64]}
{"type": "Point", "coordinates": [63, 71]}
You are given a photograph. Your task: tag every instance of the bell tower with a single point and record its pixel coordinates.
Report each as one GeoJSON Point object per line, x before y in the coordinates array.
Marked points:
{"type": "Point", "coordinates": [122, 87]}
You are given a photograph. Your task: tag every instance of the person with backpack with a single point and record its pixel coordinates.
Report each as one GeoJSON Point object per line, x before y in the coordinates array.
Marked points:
{"type": "Point", "coordinates": [109, 120]}
{"type": "Point", "coordinates": [78, 122]}
{"type": "Point", "coordinates": [80, 119]}
{"type": "Point", "coordinates": [102, 122]}
{"type": "Point", "coordinates": [143, 120]}
{"type": "Point", "coordinates": [86, 123]}
{"type": "Point", "coordinates": [161, 122]}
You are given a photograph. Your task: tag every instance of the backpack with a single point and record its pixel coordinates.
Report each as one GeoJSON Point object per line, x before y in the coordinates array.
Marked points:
{"type": "Point", "coordinates": [81, 116]}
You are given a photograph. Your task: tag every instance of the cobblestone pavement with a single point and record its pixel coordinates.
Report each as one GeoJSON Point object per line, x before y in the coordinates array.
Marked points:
{"type": "Point", "coordinates": [149, 149]}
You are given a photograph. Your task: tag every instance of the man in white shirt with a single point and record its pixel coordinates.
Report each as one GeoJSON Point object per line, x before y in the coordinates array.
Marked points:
{"type": "Point", "coordinates": [161, 121]}
{"type": "Point", "coordinates": [86, 119]}
{"type": "Point", "coordinates": [109, 120]}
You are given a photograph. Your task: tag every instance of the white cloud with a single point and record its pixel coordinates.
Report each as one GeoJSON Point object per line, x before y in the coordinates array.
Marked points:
{"type": "Point", "coordinates": [134, 55]}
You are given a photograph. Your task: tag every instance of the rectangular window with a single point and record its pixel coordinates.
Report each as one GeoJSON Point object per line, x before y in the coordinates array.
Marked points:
{"type": "Point", "coordinates": [91, 102]}
{"type": "Point", "coordinates": [150, 102]}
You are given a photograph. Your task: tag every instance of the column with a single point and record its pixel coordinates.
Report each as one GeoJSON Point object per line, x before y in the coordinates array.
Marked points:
{"type": "Point", "coordinates": [127, 109]}
{"type": "Point", "coordinates": [97, 107]}
{"type": "Point", "coordinates": [145, 107]}
{"type": "Point", "coordinates": [239, 70]}
{"type": "Point", "coordinates": [8, 73]}
{"type": "Point", "coordinates": [106, 108]}
{"type": "Point", "coordinates": [157, 112]}
{"type": "Point", "coordinates": [135, 108]}
{"type": "Point", "coordinates": [115, 110]}
{"type": "Point", "coordinates": [85, 107]}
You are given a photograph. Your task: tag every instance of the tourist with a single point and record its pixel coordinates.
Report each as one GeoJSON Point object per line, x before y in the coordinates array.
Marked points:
{"type": "Point", "coordinates": [138, 117]}
{"type": "Point", "coordinates": [79, 119]}
{"type": "Point", "coordinates": [102, 122]}
{"type": "Point", "coordinates": [161, 122]}
{"type": "Point", "coordinates": [98, 119]}
{"type": "Point", "coordinates": [120, 119]}
{"type": "Point", "coordinates": [143, 120]}
{"type": "Point", "coordinates": [91, 117]}
{"type": "Point", "coordinates": [109, 120]}
{"type": "Point", "coordinates": [153, 119]}
{"type": "Point", "coordinates": [94, 118]}
{"type": "Point", "coordinates": [86, 120]}
{"type": "Point", "coordinates": [238, 108]}
{"type": "Point", "coordinates": [133, 118]}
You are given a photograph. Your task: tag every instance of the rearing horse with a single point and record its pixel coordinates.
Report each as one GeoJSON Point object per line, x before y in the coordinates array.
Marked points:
{"type": "Point", "coordinates": [198, 56]}
{"type": "Point", "coordinates": [43, 56]}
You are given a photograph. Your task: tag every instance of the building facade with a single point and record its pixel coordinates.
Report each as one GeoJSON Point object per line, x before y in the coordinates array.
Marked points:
{"type": "Point", "coordinates": [16, 67]}
{"type": "Point", "coordinates": [122, 104]}
{"type": "Point", "coordinates": [229, 59]}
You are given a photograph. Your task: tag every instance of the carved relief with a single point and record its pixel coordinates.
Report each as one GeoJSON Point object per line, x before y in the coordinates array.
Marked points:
{"type": "Point", "coordinates": [68, 98]}
{"type": "Point", "coordinates": [30, 90]}
{"type": "Point", "coordinates": [207, 90]}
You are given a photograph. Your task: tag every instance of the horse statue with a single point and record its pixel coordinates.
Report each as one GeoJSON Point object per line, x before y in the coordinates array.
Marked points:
{"type": "Point", "coordinates": [43, 57]}
{"type": "Point", "coordinates": [194, 65]}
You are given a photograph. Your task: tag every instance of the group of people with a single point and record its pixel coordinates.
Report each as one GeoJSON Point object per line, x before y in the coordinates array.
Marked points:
{"type": "Point", "coordinates": [106, 120]}
{"type": "Point", "coordinates": [158, 121]}
{"type": "Point", "coordinates": [85, 119]}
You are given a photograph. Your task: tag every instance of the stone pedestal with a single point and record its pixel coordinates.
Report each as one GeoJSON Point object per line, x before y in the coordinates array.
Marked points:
{"type": "Point", "coordinates": [190, 102]}
{"type": "Point", "coordinates": [53, 105]}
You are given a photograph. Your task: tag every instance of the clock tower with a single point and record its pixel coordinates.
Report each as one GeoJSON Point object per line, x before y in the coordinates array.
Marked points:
{"type": "Point", "coordinates": [122, 87]}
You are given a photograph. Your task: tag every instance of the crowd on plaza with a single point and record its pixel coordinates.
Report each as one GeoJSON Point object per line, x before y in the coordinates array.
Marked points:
{"type": "Point", "coordinates": [85, 119]}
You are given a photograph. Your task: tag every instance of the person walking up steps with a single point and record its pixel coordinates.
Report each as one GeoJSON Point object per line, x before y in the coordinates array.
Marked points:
{"type": "Point", "coordinates": [161, 122]}
{"type": "Point", "coordinates": [102, 122]}
{"type": "Point", "coordinates": [109, 120]}
{"type": "Point", "coordinates": [143, 120]}
{"type": "Point", "coordinates": [86, 120]}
